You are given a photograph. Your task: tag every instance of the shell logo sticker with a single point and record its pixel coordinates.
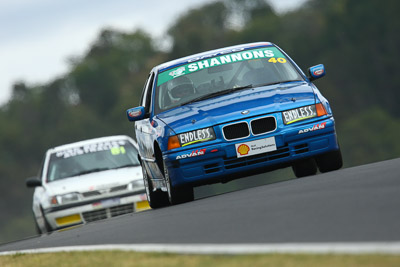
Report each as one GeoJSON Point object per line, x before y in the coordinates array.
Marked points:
{"type": "Point", "coordinates": [243, 149]}
{"type": "Point", "coordinates": [255, 147]}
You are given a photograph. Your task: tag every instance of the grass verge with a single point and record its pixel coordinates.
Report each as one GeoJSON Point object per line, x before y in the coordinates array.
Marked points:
{"type": "Point", "coordinates": [121, 258]}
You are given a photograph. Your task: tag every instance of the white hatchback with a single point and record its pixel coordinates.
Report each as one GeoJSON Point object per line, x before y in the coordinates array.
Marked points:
{"type": "Point", "coordinates": [88, 181]}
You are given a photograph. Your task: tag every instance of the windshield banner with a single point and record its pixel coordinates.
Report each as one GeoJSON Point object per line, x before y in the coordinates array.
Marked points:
{"type": "Point", "coordinates": [113, 146]}
{"type": "Point", "coordinates": [265, 52]}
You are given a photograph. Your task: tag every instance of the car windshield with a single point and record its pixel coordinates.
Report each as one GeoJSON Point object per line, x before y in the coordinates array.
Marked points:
{"type": "Point", "coordinates": [214, 76]}
{"type": "Point", "coordinates": [91, 158]}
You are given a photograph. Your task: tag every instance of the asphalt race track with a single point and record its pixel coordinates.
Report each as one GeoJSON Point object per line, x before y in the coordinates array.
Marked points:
{"type": "Point", "coordinates": [359, 204]}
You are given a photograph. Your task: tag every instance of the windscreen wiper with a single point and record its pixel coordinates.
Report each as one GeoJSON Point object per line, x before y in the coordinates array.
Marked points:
{"type": "Point", "coordinates": [286, 81]}
{"type": "Point", "coordinates": [223, 92]}
{"type": "Point", "coordinates": [90, 171]}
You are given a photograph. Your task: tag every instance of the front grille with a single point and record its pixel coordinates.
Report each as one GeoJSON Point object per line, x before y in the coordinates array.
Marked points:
{"type": "Point", "coordinates": [95, 215]}
{"type": "Point", "coordinates": [236, 131]}
{"type": "Point", "coordinates": [241, 129]}
{"type": "Point", "coordinates": [91, 194]}
{"type": "Point", "coordinates": [263, 125]}
{"type": "Point", "coordinates": [120, 210]}
{"type": "Point", "coordinates": [118, 188]}
{"type": "Point", "coordinates": [210, 168]}
{"type": "Point", "coordinates": [299, 149]}
{"type": "Point", "coordinates": [101, 214]}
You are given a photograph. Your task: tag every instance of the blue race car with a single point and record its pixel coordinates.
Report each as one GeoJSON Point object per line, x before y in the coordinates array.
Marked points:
{"type": "Point", "coordinates": [228, 113]}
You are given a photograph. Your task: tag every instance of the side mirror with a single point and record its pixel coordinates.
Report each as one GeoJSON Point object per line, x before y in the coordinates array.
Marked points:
{"type": "Point", "coordinates": [33, 182]}
{"type": "Point", "coordinates": [135, 114]}
{"type": "Point", "coordinates": [316, 72]}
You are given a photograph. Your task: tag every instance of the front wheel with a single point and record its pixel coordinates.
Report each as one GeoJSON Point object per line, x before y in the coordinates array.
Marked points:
{"type": "Point", "coordinates": [330, 161]}
{"type": "Point", "coordinates": [177, 194]}
{"type": "Point", "coordinates": [156, 199]}
{"type": "Point", "coordinates": [46, 226]}
{"type": "Point", "coordinates": [305, 167]}
{"type": "Point", "coordinates": [37, 228]}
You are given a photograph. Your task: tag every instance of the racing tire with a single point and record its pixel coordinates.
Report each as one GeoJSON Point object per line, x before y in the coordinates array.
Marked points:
{"type": "Point", "coordinates": [304, 168]}
{"type": "Point", "coordinates": [37, 228]}
{"type": "Point", "coordinates": [177, 194]}
{"type": "Point", "coordinates": [157, 199]}
{"type": "Point", "coordinates": [47, 226]}
{"type": "Point", "coordinates": [330, 161]}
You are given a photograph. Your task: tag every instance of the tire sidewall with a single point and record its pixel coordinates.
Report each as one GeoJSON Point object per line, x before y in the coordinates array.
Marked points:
{"type": "Point", "coordinates": [146, 183]}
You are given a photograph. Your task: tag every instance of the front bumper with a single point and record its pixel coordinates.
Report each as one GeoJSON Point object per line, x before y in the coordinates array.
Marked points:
{"type": "Point", "coordinates": [220, 162]}
{"type": "Point", "coordinates": [68, 215]}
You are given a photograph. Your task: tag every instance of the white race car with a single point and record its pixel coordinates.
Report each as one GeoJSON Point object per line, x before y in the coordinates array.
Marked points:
{"type": "Point", "coordinates": [88, 181]}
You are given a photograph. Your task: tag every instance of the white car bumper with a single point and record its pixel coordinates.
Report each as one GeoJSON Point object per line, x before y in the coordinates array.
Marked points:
{"type": "Point", "coordinates": [96, 210]}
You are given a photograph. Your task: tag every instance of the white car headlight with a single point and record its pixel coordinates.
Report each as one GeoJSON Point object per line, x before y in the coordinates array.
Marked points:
{"type": "Point", "coordinates": [136, 185]}
{"type": "Point", "coordinates": [65, 199]}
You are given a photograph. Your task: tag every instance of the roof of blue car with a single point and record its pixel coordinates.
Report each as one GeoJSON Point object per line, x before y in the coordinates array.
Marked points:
{"type": "Point", "coordinates": [195, 57]}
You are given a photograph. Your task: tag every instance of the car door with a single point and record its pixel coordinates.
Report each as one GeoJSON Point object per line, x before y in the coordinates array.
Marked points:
{"type": "Point", "coordinates": [145, 132]}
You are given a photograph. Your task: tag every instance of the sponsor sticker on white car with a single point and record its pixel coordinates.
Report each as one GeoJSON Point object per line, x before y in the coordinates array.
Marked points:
{"type": "Point", "coordinates": [255, 147]}
{"type": "Point", "coordinates": [106, 203]}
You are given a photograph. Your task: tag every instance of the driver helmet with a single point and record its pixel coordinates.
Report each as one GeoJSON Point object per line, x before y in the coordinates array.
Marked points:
{"type": "Point", "coordinates": [180, 88]}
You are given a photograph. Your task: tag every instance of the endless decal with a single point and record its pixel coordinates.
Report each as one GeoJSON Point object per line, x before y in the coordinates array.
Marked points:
{"type": "Point", "coordinates": [196, 136]}
{"type": "Point", "coordinates": [299, 114]}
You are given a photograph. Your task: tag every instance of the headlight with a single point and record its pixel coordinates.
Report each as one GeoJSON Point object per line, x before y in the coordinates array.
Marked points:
{"type": "Point", "coordinates": [64, 199]}
{"type": "Point", "coordinates": [135, 185]}
{"type": "Point", "coordinates": [192, 137]}
{"type": "Point", "coordinates": [303, 113]}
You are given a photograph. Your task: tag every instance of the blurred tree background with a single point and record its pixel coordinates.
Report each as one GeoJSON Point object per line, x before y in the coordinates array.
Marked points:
{"type": "Point", "coordinates": [358, 41]}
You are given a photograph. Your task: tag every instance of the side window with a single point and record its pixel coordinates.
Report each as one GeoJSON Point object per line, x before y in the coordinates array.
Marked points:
{"type": "Point", "coordinates": [147, 92]}
{"type": "Point", "coordinates": [41, 170]}
{"type": "Point", "coordinates": [143, 97]}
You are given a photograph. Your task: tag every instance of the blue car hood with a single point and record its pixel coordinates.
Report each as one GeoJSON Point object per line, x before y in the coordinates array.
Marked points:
{"type": "Point", "coordinates": [222, 109]}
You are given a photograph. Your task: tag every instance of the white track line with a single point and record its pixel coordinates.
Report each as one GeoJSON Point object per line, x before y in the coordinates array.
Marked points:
{"type": "Point", "coordinates": [288, 248]}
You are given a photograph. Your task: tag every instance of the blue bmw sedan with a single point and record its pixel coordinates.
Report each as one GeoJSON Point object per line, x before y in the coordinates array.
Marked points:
{"type": "Point", "coordinates": [229, 113]}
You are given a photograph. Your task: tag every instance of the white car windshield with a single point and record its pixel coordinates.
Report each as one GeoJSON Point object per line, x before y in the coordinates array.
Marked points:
{"type": "Point", "coordinates": [208, 77]}
{"type": "Point", "coordinates": [91, 158]}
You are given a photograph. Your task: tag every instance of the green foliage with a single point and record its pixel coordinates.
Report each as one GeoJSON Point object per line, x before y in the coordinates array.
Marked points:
{"type": "Point", "coordinates": [369, 136]}
{"type": "Point", "coordinates": [199, 30]}
{"type": "Point", "coordinates": [357, 42]}
{"type": "Point", "coordinates": [130, 258]}
{"type": "Point", "coordinates": [261, 23]}
{"type": "Point", "coordinates": [99, 77]}
{"type": "Point", "coordinates": [90, 101]}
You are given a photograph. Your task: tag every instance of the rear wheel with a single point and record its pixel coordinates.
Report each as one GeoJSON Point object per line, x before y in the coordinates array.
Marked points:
{"type": "Point", "coordinates": [330, 161]}
{"type": "Point", "coordinates": [304, 168]}
{"type": "Point", "coordinates": [177, 194]}
{"type": "Point", "coordinates": [156, 199]}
